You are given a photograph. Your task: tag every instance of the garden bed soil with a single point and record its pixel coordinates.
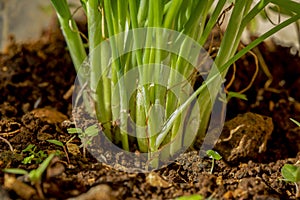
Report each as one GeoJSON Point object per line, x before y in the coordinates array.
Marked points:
{"type": "Point", "coordinates": [35, 105]}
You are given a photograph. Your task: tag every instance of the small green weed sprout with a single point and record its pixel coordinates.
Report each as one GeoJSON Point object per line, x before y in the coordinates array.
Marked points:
{"type": "Point", "coordinates": [35, 175]}
{"type": "Point", "coordinates": [37, 157]}
{"type": "Point", "coordinates": [291, 173]}
{"type": "Point", "coordinates": [86, 136]}
{"type": "Point", "coordinates": [214, 156]}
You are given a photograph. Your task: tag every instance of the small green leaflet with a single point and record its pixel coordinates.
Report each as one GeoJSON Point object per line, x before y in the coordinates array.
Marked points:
{"type": "Point", "coordinates": [56, 142]}
{"type": "Point", "coordinates": [291, 173]}
{"type": "Point", "coordinates": [74, 130]}
{"type": "Point", "coordinates": [91, 130]}
{"type": "Point", "coordinates": [29, 148]}
{"type": "Point", "coordinates": [28, 159]}
{"type": "Point", "coordinates": [236, 95]}
{"type": "Point", "coordinates": [213, 154]}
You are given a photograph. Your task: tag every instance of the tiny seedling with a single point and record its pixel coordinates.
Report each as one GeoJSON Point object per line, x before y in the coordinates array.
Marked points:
{"type": "Point", "coordinates": [37, 157]}
{"type": "Point", "coordinates": [35, 175]}
{"type": "Point", "coordinates": [86, 136]}
{"type": "Point", "coordinates": [214, 156]}
{"type": "Point", "coordinates": [291, 173]}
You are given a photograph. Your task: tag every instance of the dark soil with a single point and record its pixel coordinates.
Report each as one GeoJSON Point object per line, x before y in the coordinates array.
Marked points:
{"type": "Point", "coordinates": [35, 105]}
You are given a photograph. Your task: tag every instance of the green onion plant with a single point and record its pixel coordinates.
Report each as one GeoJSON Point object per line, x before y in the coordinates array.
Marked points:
{"type": "Point", "coordinates": [158, 33]}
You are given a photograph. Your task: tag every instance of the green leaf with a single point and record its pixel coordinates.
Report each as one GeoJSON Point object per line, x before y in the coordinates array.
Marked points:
{"type": "Point", "coordinates": [28, 159]}
{"type": "Point", "coordinates": [15, 171]}
{"type": "Point", "coordinates": [213, 154]}
{"type": "Point", "coordinates": [296, 122]}
{"type": "Point", "coordinates": [74, 130]}
{"type": "Point", "coordinates": [289, 5]}
{"type": "Point", "coordinates": [291, 173]}
{"type": "Point", "coordinates": [56, 142]}
{"type": "Point", "coordinates": [237, 95]}
{"type": "Point", "coordinates": [70, 31]}
{"type": "Point", "coordinates": [29, 148]}
{"type": "Point", "coordinates": [91, 130]}
{"type": "Point", "coordinates": [191, 197]}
